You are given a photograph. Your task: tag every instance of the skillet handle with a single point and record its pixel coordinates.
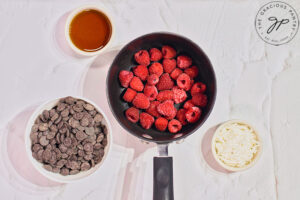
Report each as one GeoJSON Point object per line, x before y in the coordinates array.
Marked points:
{"type": "Point", "coordinates": [163, 178]}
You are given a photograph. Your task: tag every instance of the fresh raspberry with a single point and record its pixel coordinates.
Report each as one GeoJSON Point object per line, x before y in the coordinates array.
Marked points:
{"type": "Point", "coordinates": [184, 81]}
{"type": "Point", "coordinates": [141, 71]}
{"type": "Point", "coordinates": [184, 62]}
{"type": "Point", "coordinates": [175, 73]}
{"type": "Point", "coordinates": [142, 57]}
{"type": "Point", "coordinates": [165, 95]}
{"type": "Point", "coordinates": [193, 114]}
{"type": "Point", "coordinates": [192, 71]}
{"type": "Point", "coordinates": [199, 100]}
{"type": "Point", "coordinates": [169, 65]}
{"type": "Point", "coordinates": [165, 82]}
{"type": "Point", "coordinates": [188, 104]}
{"type": "Point", "coordinates": [129, 95]}
{"type": "Point", "coordinates": [179, 95]}
{"type": "Point", "coordinates": [151, 92]}
{"type": "Point", "coordinates": [161, 124]}
{"type": "Point", "coordinates": [168, 52]}
{"type": "Point", "coordinates": [125, 78]}
{"type": "Point", "coordinates": [132, 114]}
{"type": "Point", "coordinates": [156, 68]}
{"type": "Point", "coordinates": [152, 79]}
{"type": "Point", "coordinates": [136, 84]}
{"type": "Point", "coordinates": [192, 83]}
{"type": "Point", "coordinates": [174, 126]}
{"type": "Point", "coordinates": [146, 120]}
{"type": "Point", "coordinates": [198, 88]}
{"type": "Point", "coordinates": [141, 101]}
{"type": "Point", "coordinates": [173, 115]}
{"type": "Point", "coordinates": [152, 109]}
{"type": "Point", "coordinates": [167, 109]}
{"type": "Point", "coordinates": [181, 116]}
{"type": "Point", "coordinates": [155, 54]}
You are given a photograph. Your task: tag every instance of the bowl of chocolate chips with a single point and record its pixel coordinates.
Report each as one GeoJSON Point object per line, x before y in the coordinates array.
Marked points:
{"type": "Point", "coordinates": [68, 138]}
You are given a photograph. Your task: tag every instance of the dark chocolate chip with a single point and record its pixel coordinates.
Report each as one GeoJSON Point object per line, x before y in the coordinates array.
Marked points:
{"type": "Point", "coordinates": [85, 166]}
{"type": "Point", "coordinates": [64, 171]}
{"type": "Point", "coordinates": [61, 163]}
{"type": "Point", "coordinates": [61, 107]}
{"type": "Point", "coordinates": [43, 127]}
{"type": "Point", "coordinates": [44, 141]}
{"type": "Point", "coordinates": [88, 147]}
{"type": "Point", "coordinates": [50, 135]}
{"type": "Point", "coordinates": [100, 137]}
{"type": "Point", "coordinates": [80, 135]}
{"type": "Point", "coordinates": [98, 117]}
{"type": "Point", "coordinates": [89, 130]}
{"type": "Point", "coordinates": [84, 121]}
{"type": "Point", "coordinates": [46, 114]}
{"type": "Point", "coordinates": [65, 113]}
{"type": "Point", "coordinates": [48, 167]}
{"type": "Point", "coordinates": [67, 142]}
{"type": "Point", "coordinates": [63, 148]}
{"type": "Point", "coordinates": [88, 107]}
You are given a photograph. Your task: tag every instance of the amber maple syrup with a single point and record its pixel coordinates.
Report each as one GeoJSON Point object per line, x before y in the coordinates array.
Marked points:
{"type": "Point", "coordinates": [90, 30]}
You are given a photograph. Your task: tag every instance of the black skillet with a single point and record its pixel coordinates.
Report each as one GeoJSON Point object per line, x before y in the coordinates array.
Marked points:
{"type": "Point", "coordinates": [163, 165]}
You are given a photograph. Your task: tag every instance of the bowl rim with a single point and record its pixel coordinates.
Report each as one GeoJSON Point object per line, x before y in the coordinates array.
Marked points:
{"type": "Point", "coordinates": [213, 99]}
{"type": "Point", "coordinates": [76, 11]}
{"type": "Point", "coordinates": [54, 176]}
{"type": "Point", "coordinates": [257, 156]}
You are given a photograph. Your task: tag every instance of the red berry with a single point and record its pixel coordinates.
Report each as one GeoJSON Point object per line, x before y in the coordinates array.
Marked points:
{"type": "Point", "coordinates": [141, 101]}
{"type": "Point", "coordinates": [152, 79]}
{"type": "Point", "coordinates": [174, 126]}
{"type": "Point", "coordinates": [193, 114]}
{"type": "Point", "coordinates": [184, 81]}
{"type": "Point", "coordinates": [199, 100]}
{"type": "Point", "coordinates": [192, 71]}
{"type": "Point", "coordinates": [167, 109]}
{"type": "Point", "coordinates": [155, 54]}
{"type": "Point", "coordinates": [142, 57]}
{"type": "Point", "coordinates": [169, 65]}
{"type": "Point", "coordinates": [179, 95]}
{"type": "Point", "coordinates": [198, 88]}
{"type": "Point", "coordinates": [165, 95]}
{"type": "Point", "coordinates": [146, 120]}
{"type": "Point", "coordinates": [129, 95]}
{"type": "Point", "coordinates": [125, 78]}
{"type": "Point", "coordinates": [136, 84]}
{"type": "Point", "coordinates": [181, 116]}
{"type": "Point", "coordinates": [156, 68]}
{"type": "Point", "coordinates": [141, 71]}
{"type": "Point", "coordinates": [152, 109]}
{"type": "Point", "coordinates": [165, 82]}
{"type": "Point", "coordinates": [161, 124]}
{"type": "Point", "coordinates": [151, 92]}
{"type": "Point", "coordinates": [132, 114]}
{"type": "Point", "coordinates": [175, 73]}
{"type": "Point", "coordinates": [184, 62]}
{"type": "Point", "coordinates": [188, 104]}
{"type": "Point", "coordinates": [168, 52]}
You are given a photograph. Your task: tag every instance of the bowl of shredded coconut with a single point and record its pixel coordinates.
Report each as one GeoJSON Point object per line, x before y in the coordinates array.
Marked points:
{"type": "Point", "coordinates": [236, 145]}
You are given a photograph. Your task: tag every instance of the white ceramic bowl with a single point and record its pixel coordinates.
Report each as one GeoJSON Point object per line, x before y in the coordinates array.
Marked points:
{"type": "Point", "coordinates": [55, 176]}
{"type": "Point", "coordinates": [230, 168]}
{"type": "Point", "coordinates": [71, 17]}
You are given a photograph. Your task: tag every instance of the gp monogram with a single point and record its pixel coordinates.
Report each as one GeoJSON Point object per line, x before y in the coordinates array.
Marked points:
{"type": "Point", "coordinates": [277, 23]}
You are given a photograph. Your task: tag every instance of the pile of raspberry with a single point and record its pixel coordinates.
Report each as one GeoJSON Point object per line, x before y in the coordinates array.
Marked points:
{"type": "Point", "coordinates": [157, 84]}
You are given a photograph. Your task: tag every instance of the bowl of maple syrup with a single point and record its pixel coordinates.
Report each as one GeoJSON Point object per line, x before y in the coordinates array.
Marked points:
{"type": "Point", "coordinates": [89, 30]}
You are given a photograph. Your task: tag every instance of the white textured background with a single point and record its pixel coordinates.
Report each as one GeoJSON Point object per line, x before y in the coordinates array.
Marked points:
{"type": "Point", "coordinates": [257, 82]}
